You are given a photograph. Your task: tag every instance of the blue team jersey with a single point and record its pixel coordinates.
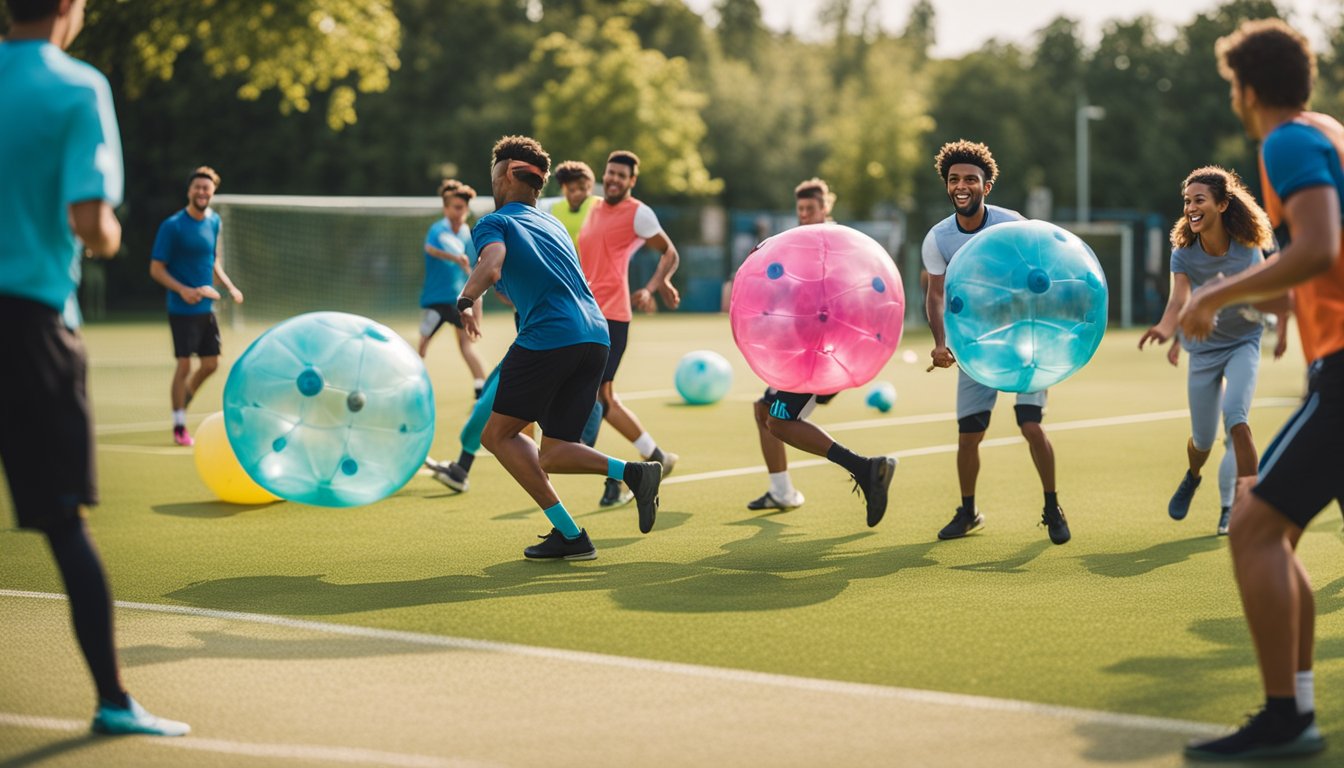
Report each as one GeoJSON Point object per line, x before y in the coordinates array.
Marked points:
{"type": "Point", "coordinates": [187, 247]}
{"type": "Point", "coordinates": [1236, 323]}
{"type": "Point", "coordinates": [444, 279]}
{"type": "Point", "coordinates": [59, 145]}
{"type": "Point", "coordinates": [1298, 156]}
{"type": "Point", "coordinates": [946, 237]}
{"type": "Point", "coordinates": [542, 277]}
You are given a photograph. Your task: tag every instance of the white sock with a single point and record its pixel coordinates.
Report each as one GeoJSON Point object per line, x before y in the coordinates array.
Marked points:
{"type": "Point", "coordinates": [645, 445]}
{"type": "Point", "coordinates": [478, 383]}
{"type": "Point", "coordinates": [1306, 692]}
{"type": "Point", "coordinates": [180, 418]}
{"type": "Point", "coordinates": [780, 485]}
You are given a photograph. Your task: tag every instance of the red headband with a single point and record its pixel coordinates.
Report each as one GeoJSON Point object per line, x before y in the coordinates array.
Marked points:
{"type": "Point", "coordinates": [521, 165]}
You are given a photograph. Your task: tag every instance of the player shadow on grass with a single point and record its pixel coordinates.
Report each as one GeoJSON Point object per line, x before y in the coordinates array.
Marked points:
{"type": "Point", "coordinates": [1109, 743]}
{"type": "Point", "coordinates": [216, 644]}
{"type": "Point", "coordinates": [1126, 564]}
{"type": "Point", "coordinates": [1014, 563]}
{"type": "Point", "coordinates": [1227, 671]}
{"type": "Point", "coordinates": [47, 752]}
{"type": "Point", "coordinates": [746, 576]}
{"type": "Point", "coordinates": [207, 509]}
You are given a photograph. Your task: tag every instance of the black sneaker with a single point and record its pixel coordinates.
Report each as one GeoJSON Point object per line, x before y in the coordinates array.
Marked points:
{"type": "Point", "coordinates": [874, 486]}
{"type": "Point", "coordinates": [644, 477]}
{"type": "Point", "coordinates": [554, 546]}
{"type": "Point", "coordinates": [614, 494]}
{"type": "Point", "coordinates": [1056, 525]}
{"type": "Point", "coordinates": [1179, 506]}
{"type": "Point", "coordinates": [1263, 736]}
{"type": "Point", "coordinates": [668, 460]}
{"type": "Point", "coordinates": [963, 522]}
{"type": "Point", "coordinates": [770, 501]}
{"type": "Point", "coordinates": [452, 475]}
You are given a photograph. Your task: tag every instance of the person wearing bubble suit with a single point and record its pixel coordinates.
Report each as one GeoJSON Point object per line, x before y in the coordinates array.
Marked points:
{"type": "Point", "coordinates": [551, 373]}
{"type": "Point", "coordinates": [63, 186]}
{"type": "Point", "coordinates": [617, 226]}
{"type": "Point", "coordinates": [968, 170]}
{"type": "Point", "coordinates": [185, 261]}
{"type": "Point", "coordinates": [1222, 232]}
{"type": "Point", "coordinates": [1271, 69]}
{"type": "Point", "coordinates": [813, 200]}
{"type": "Point", "coordinates": [449, 256]}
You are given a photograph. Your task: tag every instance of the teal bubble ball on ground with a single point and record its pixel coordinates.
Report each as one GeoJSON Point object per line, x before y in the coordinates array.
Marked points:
{"type": "Point", "coordinates": [1025, 306]}
{"type": "Point", "coordinates": [703, 377]}
{"type": "Point", "coordinates": [882, 396]}
{"type": "Point", "coordinates": [330, 409]}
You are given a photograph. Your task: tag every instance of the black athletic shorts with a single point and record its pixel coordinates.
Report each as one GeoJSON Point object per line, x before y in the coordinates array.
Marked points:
{"type": "Point", "coordinates": [792, 406]}
{"type": "Point", "coordinates": [195, 335]}
{"type": "Point", "coordinates": [1303, 468]}
{"type": "Point", "coordinates": [556, 388]}
{"type": "Point", "coordinates": [46, 428]}
{"type": "Point", "coordinates": [620, 334]}
{"type": "Point", "coordinates": [438, 315]}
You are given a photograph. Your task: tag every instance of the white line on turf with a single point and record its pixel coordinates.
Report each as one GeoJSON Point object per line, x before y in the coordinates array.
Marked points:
{"type": "Point", "coordinates": [837, 687]}
{"type": "Point", "coordinates": [1063, 426]}
{"type": "Point", "coordinates": [252, 749]}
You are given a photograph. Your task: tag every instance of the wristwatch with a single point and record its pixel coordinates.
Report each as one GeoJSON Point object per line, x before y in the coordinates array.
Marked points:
{"type": "Point", "coordinates": [464, 303]}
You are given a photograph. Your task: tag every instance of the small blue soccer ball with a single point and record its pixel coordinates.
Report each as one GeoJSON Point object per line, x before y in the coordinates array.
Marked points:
{"type": "Point", "coordinates": [703, 377]}
{"type": "Point", "coordinates": [330, 409]}
{"type": "Point", "coordinates": [1025, 306]}
{"type": "Point", "coordinates": [882, 396]}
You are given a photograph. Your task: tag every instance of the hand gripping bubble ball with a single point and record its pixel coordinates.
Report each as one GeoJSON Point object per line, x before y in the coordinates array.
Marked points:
{"type": "Point", "coordinates": [703, 377]}
{"type": "Point", "coordinates": [1024, 306]}
{"type": "Point", "coordinates": [817, 309]}
{"type": "Point", "coordinates": [330, 409]}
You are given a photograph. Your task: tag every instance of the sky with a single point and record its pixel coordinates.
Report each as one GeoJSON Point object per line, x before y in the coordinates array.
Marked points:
{"type": "Point", "coordinates": [964, 25]}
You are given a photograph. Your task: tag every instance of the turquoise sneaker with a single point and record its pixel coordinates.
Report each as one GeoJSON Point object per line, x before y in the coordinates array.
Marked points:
{"type": "Point", "coordinates": [118, 721]}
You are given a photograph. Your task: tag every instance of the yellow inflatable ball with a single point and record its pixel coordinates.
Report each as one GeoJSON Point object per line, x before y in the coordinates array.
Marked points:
{"type": "Point", "coordinates": [219, 468]}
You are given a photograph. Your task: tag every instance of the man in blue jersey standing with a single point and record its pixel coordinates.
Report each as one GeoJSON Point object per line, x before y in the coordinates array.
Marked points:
{"type": "Point", "coordinates": [969, 171]}
{"type": "Point", "coordinates": [60, 151]}
{"type": "Point", "coordinates": [551, 373]}
{"type": "Point", "coordinates": [185, 261]}
{"type": "Point", "coordinates": [449, 257]}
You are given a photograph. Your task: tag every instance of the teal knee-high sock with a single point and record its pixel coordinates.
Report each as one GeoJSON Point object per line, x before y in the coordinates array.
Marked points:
{"type": "Point", "coordinates": [615, 469]}
{"type": "Point", "coordinates": [562, 521]}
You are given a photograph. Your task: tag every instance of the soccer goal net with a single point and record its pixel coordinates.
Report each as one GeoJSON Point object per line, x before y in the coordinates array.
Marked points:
{"type": "Point", "coordinates": [1113, 243]}
{"type": "Point", "coordinates": [291, 255]}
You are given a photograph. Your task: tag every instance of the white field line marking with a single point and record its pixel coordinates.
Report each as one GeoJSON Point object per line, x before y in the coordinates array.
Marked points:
{"type": "Point", "coordinates": [1063, 426]}
{"type": "Point", "coordinates": [252, 749]}
{"type": "Point", "coordinates": [835, 687]}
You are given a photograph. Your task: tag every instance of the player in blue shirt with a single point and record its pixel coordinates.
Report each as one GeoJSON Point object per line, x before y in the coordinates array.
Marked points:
{"type": "Point", "coordinates": [1271, 70]}
{"type": "Point", "coordinates": [60, 177]}
{"type": "Point", "coordinates": [969, 172]}
{"type": "Point", "coordinates": [449, 257]}
{"type": "Point", "coordinates": [551, 373]}
{"type": "Point", "coordinates": [185, 261]}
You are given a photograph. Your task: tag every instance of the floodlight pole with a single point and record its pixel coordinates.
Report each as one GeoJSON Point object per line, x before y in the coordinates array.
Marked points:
{"type": "Point", "coordinates": [1082, 115]}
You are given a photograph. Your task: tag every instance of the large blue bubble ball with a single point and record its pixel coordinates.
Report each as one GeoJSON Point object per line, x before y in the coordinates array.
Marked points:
{"type": "Point", "coordinates": [330, 409]}
{"type": "Point", "coordinates": [703, 377]}
{"type": "Point", "coordinates": [1024, 306]}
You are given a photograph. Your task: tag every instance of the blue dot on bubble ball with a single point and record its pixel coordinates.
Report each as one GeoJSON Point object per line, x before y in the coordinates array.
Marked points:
{"type": "Point", "coordinates": [774, 271]}
{"type": "Point", "coordinates": [1028, 306]}
{"type": "Point", "coordinates": [330, 409]}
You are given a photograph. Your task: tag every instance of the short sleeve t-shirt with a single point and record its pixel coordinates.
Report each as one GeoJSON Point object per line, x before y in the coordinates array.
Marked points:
{"type": "Point", "coordinates": [573, 220]}
{"type": "Point", "coordinates": [186, 246]}
{"type": "Point", "coordinates": [444, 279]}
{"type": "Point", "coordinates": [610, 236]}
{"type": "Point", "coordinates": [1235, 323]}
{"type": "Point", "coordinates": [59, 145]}
{"type": "Point", "coordinates": [542, 277]}
{"type": "Point", "coordinates": [947, 237]}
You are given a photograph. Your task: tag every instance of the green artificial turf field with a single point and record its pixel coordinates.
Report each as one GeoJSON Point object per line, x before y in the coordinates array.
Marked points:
{"type": "Point", "coordinates": [1136, 620]}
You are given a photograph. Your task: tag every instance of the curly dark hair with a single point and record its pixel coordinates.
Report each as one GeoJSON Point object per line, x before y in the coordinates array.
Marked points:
{"type": "Point", "coordinates": [456, 189]}
{"type": "Point", "coordinates": [1244, 219]}
{"type": "Point", "coordinates": [528, 150]}
{"type": "Point", "coordinates": [573, 170]}
{"type": "Point", "coordinates": [1271, 57]}
{"type": "Point", "coordinates": [970, 152]}
{"type": "Point", "coordinates": [625, 157]}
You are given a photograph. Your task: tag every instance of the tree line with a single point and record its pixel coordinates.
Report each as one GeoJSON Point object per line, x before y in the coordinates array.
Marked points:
{"type": "Point", "coordinates": [385, 97]}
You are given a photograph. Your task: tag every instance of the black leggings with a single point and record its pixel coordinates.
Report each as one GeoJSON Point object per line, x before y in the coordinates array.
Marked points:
{"type": "Point", "coordinates": [90, 605]}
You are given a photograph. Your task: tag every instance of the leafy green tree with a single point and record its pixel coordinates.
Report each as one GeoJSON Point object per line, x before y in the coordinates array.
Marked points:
{"type": "Point", "coordinates": [600, 90]}
{"type": "Point", "coordinates": [740, 28]}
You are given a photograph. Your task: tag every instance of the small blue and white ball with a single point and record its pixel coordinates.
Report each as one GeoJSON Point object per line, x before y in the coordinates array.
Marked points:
{"type": "Point", "coordinates": [703, 377]}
